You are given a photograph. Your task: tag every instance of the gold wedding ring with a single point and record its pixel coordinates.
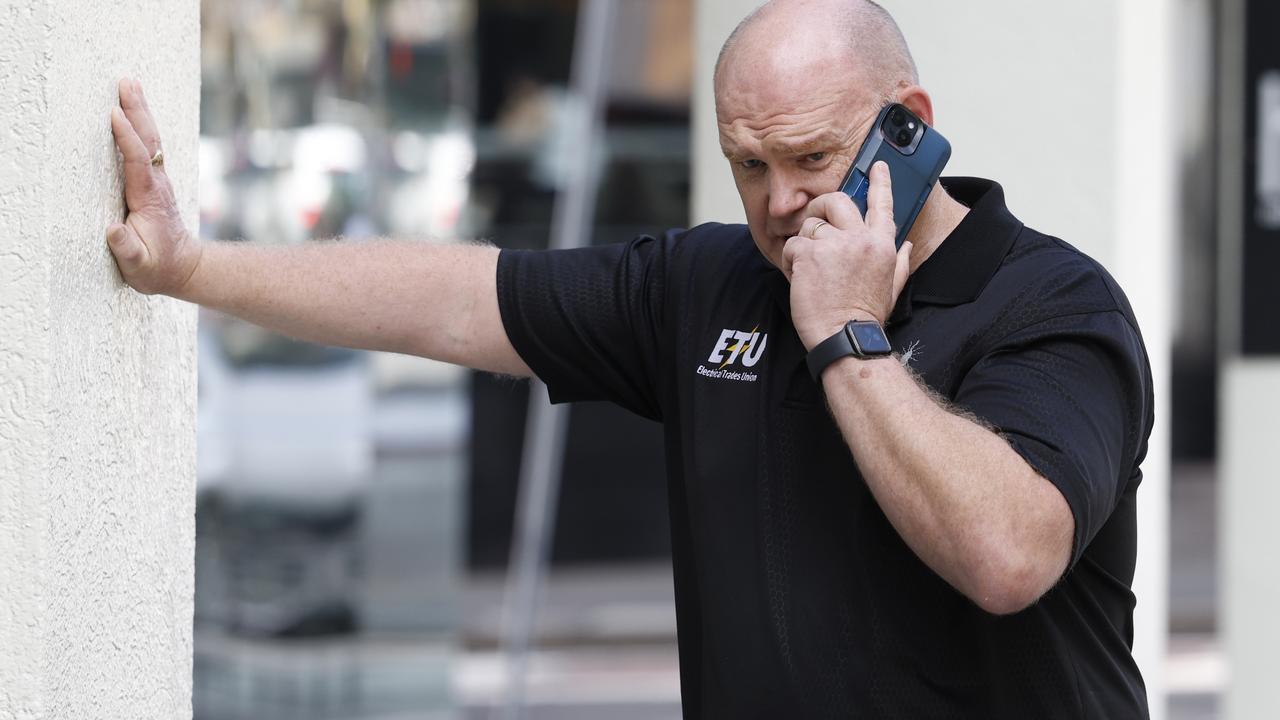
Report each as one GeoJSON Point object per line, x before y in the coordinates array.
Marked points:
{"type": "Point", "coordinates": [814, 232]}
{"type": "Point", "coordinates": [158, 159]}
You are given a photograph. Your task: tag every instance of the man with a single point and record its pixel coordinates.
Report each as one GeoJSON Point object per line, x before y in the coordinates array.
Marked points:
{"type": "Point", "coordinates": [944, 533]}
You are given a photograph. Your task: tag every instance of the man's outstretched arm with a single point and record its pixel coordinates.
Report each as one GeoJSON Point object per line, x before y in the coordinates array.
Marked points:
{"type": "Point", "coordinates": [436, 301]}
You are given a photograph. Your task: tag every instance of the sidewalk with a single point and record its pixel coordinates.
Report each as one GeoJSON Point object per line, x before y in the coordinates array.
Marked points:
{"type": "Point", "coordinates": [606, 605]}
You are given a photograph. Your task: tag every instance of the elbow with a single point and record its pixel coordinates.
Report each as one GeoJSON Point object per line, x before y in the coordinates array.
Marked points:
{"type": "Point", "coordinates": [1005, 600]}
{"type": "Point", "coordinates": [1014, 566]}
{"type": "Point", "coordinates": [1010, 582]}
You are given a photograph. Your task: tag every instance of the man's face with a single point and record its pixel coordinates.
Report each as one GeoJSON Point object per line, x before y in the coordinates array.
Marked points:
{"type": "Point", "coordinates": [788, 141]}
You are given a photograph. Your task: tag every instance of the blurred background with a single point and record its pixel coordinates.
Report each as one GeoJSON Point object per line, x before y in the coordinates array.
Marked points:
{"type": "Point", "coordinates": [355, 510]}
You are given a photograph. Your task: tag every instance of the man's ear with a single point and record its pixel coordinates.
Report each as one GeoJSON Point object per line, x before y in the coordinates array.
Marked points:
{"type": "Point", "coordinates": [917, 101]}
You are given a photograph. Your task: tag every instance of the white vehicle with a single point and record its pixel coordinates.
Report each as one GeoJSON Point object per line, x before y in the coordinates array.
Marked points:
{"type": "Point", "coordinates": [284, 463]}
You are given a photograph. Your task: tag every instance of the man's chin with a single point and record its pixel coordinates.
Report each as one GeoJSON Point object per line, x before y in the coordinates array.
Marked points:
{"type": "Point", "coordinates": [771, 248]}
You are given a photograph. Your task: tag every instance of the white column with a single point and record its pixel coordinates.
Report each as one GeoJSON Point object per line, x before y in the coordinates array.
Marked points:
{"type": "Point", "coordinates": [1040, 97]}
{"type": "Point", "coordinates": [97, 383]}
{"type": "Point", "coordinates": [1250, 535]}
{"type": "Point", "coordinates": [1249, 393]}
{"type": "Point", "coordinates": [714, 196]}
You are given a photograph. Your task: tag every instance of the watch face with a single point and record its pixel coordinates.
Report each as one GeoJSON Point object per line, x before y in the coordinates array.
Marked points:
{"type": "Point", "coordinates": [870, 338]}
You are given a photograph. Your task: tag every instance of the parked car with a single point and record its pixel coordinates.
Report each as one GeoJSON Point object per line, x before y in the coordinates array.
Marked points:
{"type": "Point", "coordinates": [285, 460]}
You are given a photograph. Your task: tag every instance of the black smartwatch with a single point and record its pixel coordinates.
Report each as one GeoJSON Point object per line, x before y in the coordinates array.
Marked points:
{"type": "Point", "coordinates": [860, 338]}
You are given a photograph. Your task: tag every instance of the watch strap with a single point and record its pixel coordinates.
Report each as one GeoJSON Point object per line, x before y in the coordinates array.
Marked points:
{"type": "Point", "coordinates": [829, 351]}
{"type": "Point", "coordinates": [841, 344]}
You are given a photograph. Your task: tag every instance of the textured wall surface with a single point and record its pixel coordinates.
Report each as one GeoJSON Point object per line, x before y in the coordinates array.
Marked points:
{"type": "Point", "coordinates": [97, 383]}
{"type": "Point", "coordinates": [24, 356]}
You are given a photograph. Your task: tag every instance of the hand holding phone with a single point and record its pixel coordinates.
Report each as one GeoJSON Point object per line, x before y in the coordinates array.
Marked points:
{"type": "Point", "coordinates": [915, 154]}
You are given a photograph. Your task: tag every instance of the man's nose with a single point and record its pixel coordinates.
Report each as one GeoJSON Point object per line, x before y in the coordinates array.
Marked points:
{"type": "Point", "coordinates": [786, 195]}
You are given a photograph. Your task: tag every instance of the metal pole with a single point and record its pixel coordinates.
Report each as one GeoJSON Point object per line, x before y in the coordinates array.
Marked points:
{"type": "Point", "coordinates": [544, 434]}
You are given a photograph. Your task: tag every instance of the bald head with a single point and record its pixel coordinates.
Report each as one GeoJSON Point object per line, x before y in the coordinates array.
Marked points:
{"type": "Point", "coordinates": [798, 86]}
{"type": "Point", "coordinates": [785, 37]}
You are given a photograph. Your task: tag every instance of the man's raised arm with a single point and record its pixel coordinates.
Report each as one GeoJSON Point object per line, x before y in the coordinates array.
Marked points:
{"type": "Point", "coordinates": [436, 301]}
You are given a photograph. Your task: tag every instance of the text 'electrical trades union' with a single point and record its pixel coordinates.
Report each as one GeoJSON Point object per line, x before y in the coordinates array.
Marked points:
{"type": "Point", "coordinates": [734, 346]}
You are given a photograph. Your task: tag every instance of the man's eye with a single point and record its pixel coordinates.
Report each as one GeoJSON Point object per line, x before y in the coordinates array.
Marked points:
{"type": "Point", "coordinates": [815, 157]}
{"type": "Point", "coordinates": [752, 164]}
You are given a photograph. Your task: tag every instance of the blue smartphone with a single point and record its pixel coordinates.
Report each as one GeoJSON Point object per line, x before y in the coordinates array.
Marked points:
{"type": "Point", "coordinates": [915, 153]}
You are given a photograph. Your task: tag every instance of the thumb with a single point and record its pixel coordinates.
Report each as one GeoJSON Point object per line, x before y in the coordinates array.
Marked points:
{"type": "Point", "coordinates": [127, 248]}
{"type": "Point", "coordinates": [901, 270]}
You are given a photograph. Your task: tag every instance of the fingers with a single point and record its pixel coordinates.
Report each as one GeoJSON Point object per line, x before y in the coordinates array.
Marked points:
{"type": "Point", "coordinates": [790, 251]}
{"type": "Point", "coordinates": [880, 201]}
{"type": "Point", "coordinates": [811, 227]}
{"type": "Point", "coordinates": [127, 247]}
{"type": "Point", "coordinates": [131, 146]}
{"type": "Point", "coordinates": [836, 208]}
{"type": "Point", "coordinates": [901, 271]}
{"type": "Point", "coordinates": [139, 178]}
{"type": "Point", "coordinates": [135, 108]}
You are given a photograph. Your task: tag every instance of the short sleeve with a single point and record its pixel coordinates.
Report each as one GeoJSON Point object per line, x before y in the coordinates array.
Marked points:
{"type": "Point", "coordinates": [589, 321]}
{"type": "Point", "coordinates": [1072, 395]}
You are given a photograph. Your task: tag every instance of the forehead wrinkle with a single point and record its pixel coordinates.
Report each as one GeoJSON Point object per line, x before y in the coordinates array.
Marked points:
{"type": "Point", "coordinates": [762, 96]}
{"type": "Point", "coordinates": [822, 137]}
{"type": "Point", "coordinates": [787, 141]}
{"type": "Point", "coordinates": [753, 120]}
{"type": "Point", "coordinates": [761, 104]}
{"type": "Point", "coordinates": [786, 133]}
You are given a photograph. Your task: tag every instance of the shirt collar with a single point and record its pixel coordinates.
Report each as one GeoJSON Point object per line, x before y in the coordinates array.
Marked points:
{"type": "Point", "coordinates": [960, 268]}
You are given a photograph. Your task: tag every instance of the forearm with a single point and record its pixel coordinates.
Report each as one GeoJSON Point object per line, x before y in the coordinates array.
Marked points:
{"type": "Point", "coordinates": [432, 300]}
{"type": "Point", "coordinates": [437, 301]}
{"type": "Point", "coordinates": [965, 502]}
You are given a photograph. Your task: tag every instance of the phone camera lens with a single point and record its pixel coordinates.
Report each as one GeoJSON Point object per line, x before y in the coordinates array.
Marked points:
{"type": "Point", "coordinates": [904, 137]}
{"type": "Point", "coordinates": [898, 117]}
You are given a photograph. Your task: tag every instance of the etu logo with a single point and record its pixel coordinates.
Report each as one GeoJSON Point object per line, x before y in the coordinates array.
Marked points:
{"type": "Point", "coordinates": [747, 345]}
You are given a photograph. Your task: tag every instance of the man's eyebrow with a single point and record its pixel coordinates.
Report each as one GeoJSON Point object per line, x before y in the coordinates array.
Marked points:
{"type": "Point", "coordinates": [825, 138]}
{"type": "Point", "coordinates": [732, 150]}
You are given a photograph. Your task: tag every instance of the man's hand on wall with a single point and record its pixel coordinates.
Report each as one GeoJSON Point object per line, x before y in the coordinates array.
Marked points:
{"type": "Point", "coordinates": [152, 247]}
{"type": "Point", "coordinates": [843, 267]}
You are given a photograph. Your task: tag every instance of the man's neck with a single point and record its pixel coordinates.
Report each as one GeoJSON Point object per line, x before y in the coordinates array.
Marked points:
{"type": "Point", "coordinates": [939, 216]}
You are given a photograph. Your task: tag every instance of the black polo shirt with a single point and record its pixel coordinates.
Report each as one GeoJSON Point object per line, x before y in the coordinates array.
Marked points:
{"type": "Point", "coordinates": [795, 597]}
